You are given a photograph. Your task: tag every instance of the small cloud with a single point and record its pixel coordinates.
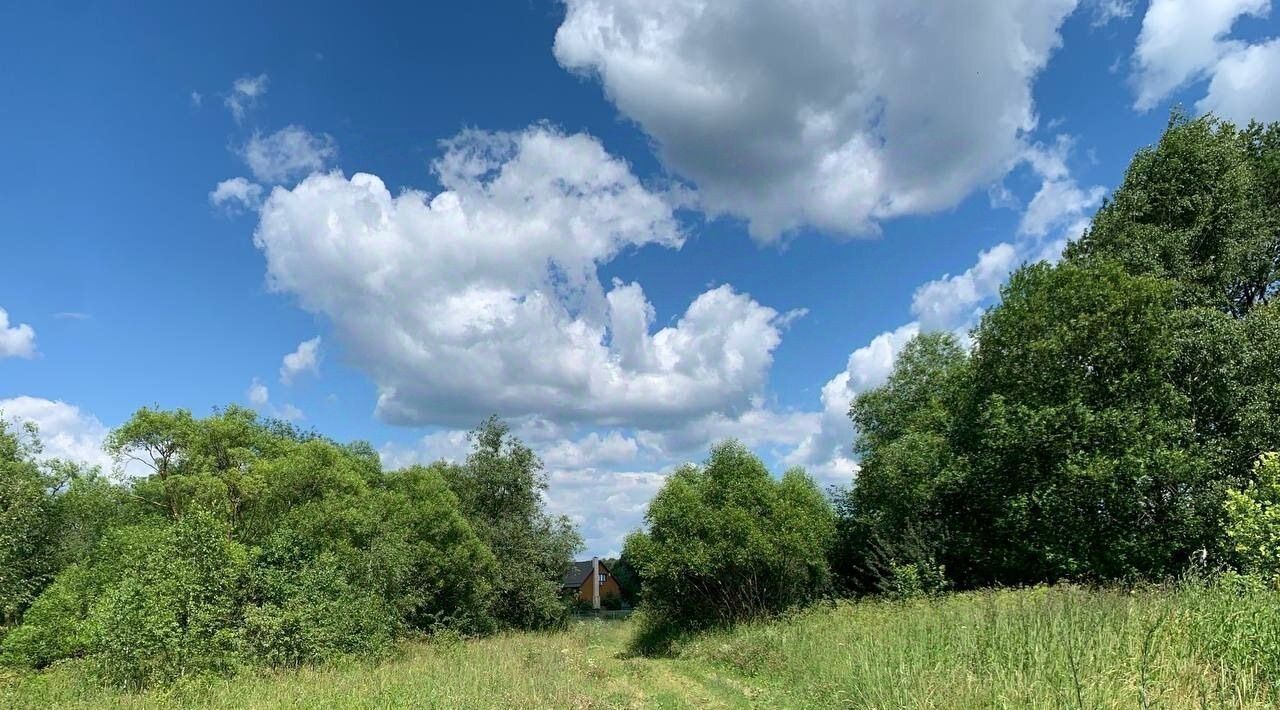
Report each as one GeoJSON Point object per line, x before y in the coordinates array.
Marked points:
{"type": "Point", "coordinates": [1001, 197]}
{"type": "Point", "coordinates": [785, 320]}
{"type": "Point", "coordinates": [260, 399]}
{"type": "Point", "coordinates": [236, 194]}
{"type": "Point", "coordinates": [72, 315]}
{"type": "Point", "coordinates": [17, 340]}
{"type": "Point", "coordinates": [306, 358]}
{"type": "Point", "coordinates": [196, 99]}
{"type": "Point", "coordinates": [1107, 11]}
{"type": "Point", "coordinates": [244, 95]}
{"type": "Point", "coordinates": [290, 152]}
{"type": "Point", "coordinates": [257, 394]}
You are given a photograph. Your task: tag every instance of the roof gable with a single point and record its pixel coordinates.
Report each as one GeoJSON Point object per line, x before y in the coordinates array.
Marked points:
{"type": "Point", "coordinates": [579, 572]}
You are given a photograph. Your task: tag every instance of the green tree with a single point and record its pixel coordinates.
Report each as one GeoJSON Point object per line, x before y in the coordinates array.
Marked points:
{"type": "Point", "coordinates": [1201, 207]}
{"type": "Point", "coordinates": [728, 542]}
{"type": "Point", "coordinates": [500, 488]}
{"type": "Point", "coordinates": [1084, 456]}
{"type": "Point", "coordinates": [891, 520]}
{"type": "Point", "coordinates": [1110, 399]}
{"type": "Point", "coordinates": [27, 522]}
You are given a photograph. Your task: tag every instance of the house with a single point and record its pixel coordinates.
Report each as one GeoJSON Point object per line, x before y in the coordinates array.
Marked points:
{"type": "Point", "coordinates": [590, 581]}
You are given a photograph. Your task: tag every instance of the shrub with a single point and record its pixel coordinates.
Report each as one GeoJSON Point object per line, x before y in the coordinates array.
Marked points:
{"type": "Point", "coordinates": [174, 605]}
{"type": "Point", "coordinates": [26, 523]}
{"type": "Point", "coordinates": [53, 627]}
{"type": "Point", "coordinates": [318, 615]}
{"type": "Point", "coordinates": [728, 542]}
{"type": "Point", "coordinates": [1253, 521]}
{"type": "Point", "coordinates": [611, 602]}
{"type": "Point", "coordinates": [917, 579]}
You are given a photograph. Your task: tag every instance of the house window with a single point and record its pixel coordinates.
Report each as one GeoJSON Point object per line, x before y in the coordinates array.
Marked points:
{"type": "Point", "coordinates": [602, 577]}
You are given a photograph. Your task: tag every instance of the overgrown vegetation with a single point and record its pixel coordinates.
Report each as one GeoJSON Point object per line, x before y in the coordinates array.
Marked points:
{"type": "Point", "coordinates": [253, 543]}
{"type": "Point", "coordinates": [1193, 646]}
{"type": "Point", "coordinates": [1108, 403]}
{"type": "Point", "coordinates": [728, 542]}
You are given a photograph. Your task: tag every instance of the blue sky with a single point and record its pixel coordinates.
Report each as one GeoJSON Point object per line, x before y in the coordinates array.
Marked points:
{"type": "Point", "coordinates": [631, 228]}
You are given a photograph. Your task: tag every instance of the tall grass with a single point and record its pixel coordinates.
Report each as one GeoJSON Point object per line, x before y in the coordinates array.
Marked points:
{"type": "Point", "coordinates": [1192, 646]}
{"type": "Point", "coordinates": [1195, 646]}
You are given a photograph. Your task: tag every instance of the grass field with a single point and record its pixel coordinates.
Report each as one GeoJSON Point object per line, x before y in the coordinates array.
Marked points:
{"type": "Point", "coordinates": [1048, 647]}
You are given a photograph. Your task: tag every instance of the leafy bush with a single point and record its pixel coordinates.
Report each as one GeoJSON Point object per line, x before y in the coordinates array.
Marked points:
{"type": "Point", "coordinates": [53, 627]}
{"type": "Point", "coordinates": [917, 579]}
{"type": "Point", "coordinates": [173, 602]}
{"type": "Point", "coordinates": [26, 523]}
{"type": "Point", "coordinates": [318, 615]}
{"type": "Point", "coordinates": [611, 601]}
{"type": "Point", "coordinates": [1253, 521]}
{"type": "Point", "coordinates": [728, 542]}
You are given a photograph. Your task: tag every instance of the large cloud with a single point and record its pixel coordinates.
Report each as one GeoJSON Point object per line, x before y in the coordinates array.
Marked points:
{"type": "Point", "coordinates": [1186, 41]}
{"type": "Point", "coordinates": [485, 297]}
{"type": "Point", "coordinates": [821, 112]}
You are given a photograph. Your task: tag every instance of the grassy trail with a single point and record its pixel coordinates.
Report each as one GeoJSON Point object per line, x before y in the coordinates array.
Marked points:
{"type": "Point", "coordinates": [1039, 648]}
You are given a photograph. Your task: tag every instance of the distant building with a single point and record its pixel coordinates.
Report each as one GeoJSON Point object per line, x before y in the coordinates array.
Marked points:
{"type": "Point", "coordinates": [590, 581]}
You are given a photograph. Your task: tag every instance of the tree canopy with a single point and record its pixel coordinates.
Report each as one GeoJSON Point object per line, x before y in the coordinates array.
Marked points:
{"type": "Point", "coordinates": [1109, 400]}
{"type": "Point", "coordinates": [727, 541]}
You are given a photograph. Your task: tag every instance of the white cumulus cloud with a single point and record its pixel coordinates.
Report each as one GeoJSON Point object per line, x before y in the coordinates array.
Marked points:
{"type": "Point", "coordinates": [1246, 84]}
{"type": "Point", "coordinates": [944, 302]}
{"type": "Point", "coordinates": [236, 194]}
{"type": "Point", "coordinates": [306, 358]}
{"type": "Point", "coordinates": [66, 432]}
{"type": "Point", "coordinates": [821, 112]}
{"type": "Point", "coordinates": [17, 339]}
{"type": "Point", "coordinates": [1187, 41]}
{"type": "Point", "coordinates": [485, 297]}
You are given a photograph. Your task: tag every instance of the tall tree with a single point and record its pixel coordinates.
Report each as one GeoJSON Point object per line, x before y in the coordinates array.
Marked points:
{"type": "Point", "coordinates": [1201, 207]}
{"type": "Point", "coordinates": [500, 487]}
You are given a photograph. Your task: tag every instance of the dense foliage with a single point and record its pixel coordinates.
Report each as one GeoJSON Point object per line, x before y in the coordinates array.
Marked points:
{"type": "Point", "coordinates": [252, 542]}
{"type": "Point", "coordinates": [1253, 522]}
{"type": "Point", "coordinates": [1109, 401]}
{"type": "Point", "coordinates": [727, 541]}
{"type": "Point", "coordinates": [500, 488]}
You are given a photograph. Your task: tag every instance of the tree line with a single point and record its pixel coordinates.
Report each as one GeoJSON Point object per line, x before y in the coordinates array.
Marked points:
{"type": "Point", "coordinates": [1104, 422]}
{"type": "Point", "coordinates": [252, 542]}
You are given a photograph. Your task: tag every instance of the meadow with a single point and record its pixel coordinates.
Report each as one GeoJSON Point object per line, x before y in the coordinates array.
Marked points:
{"type": "Point", "coordinates": [1191, 646]}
